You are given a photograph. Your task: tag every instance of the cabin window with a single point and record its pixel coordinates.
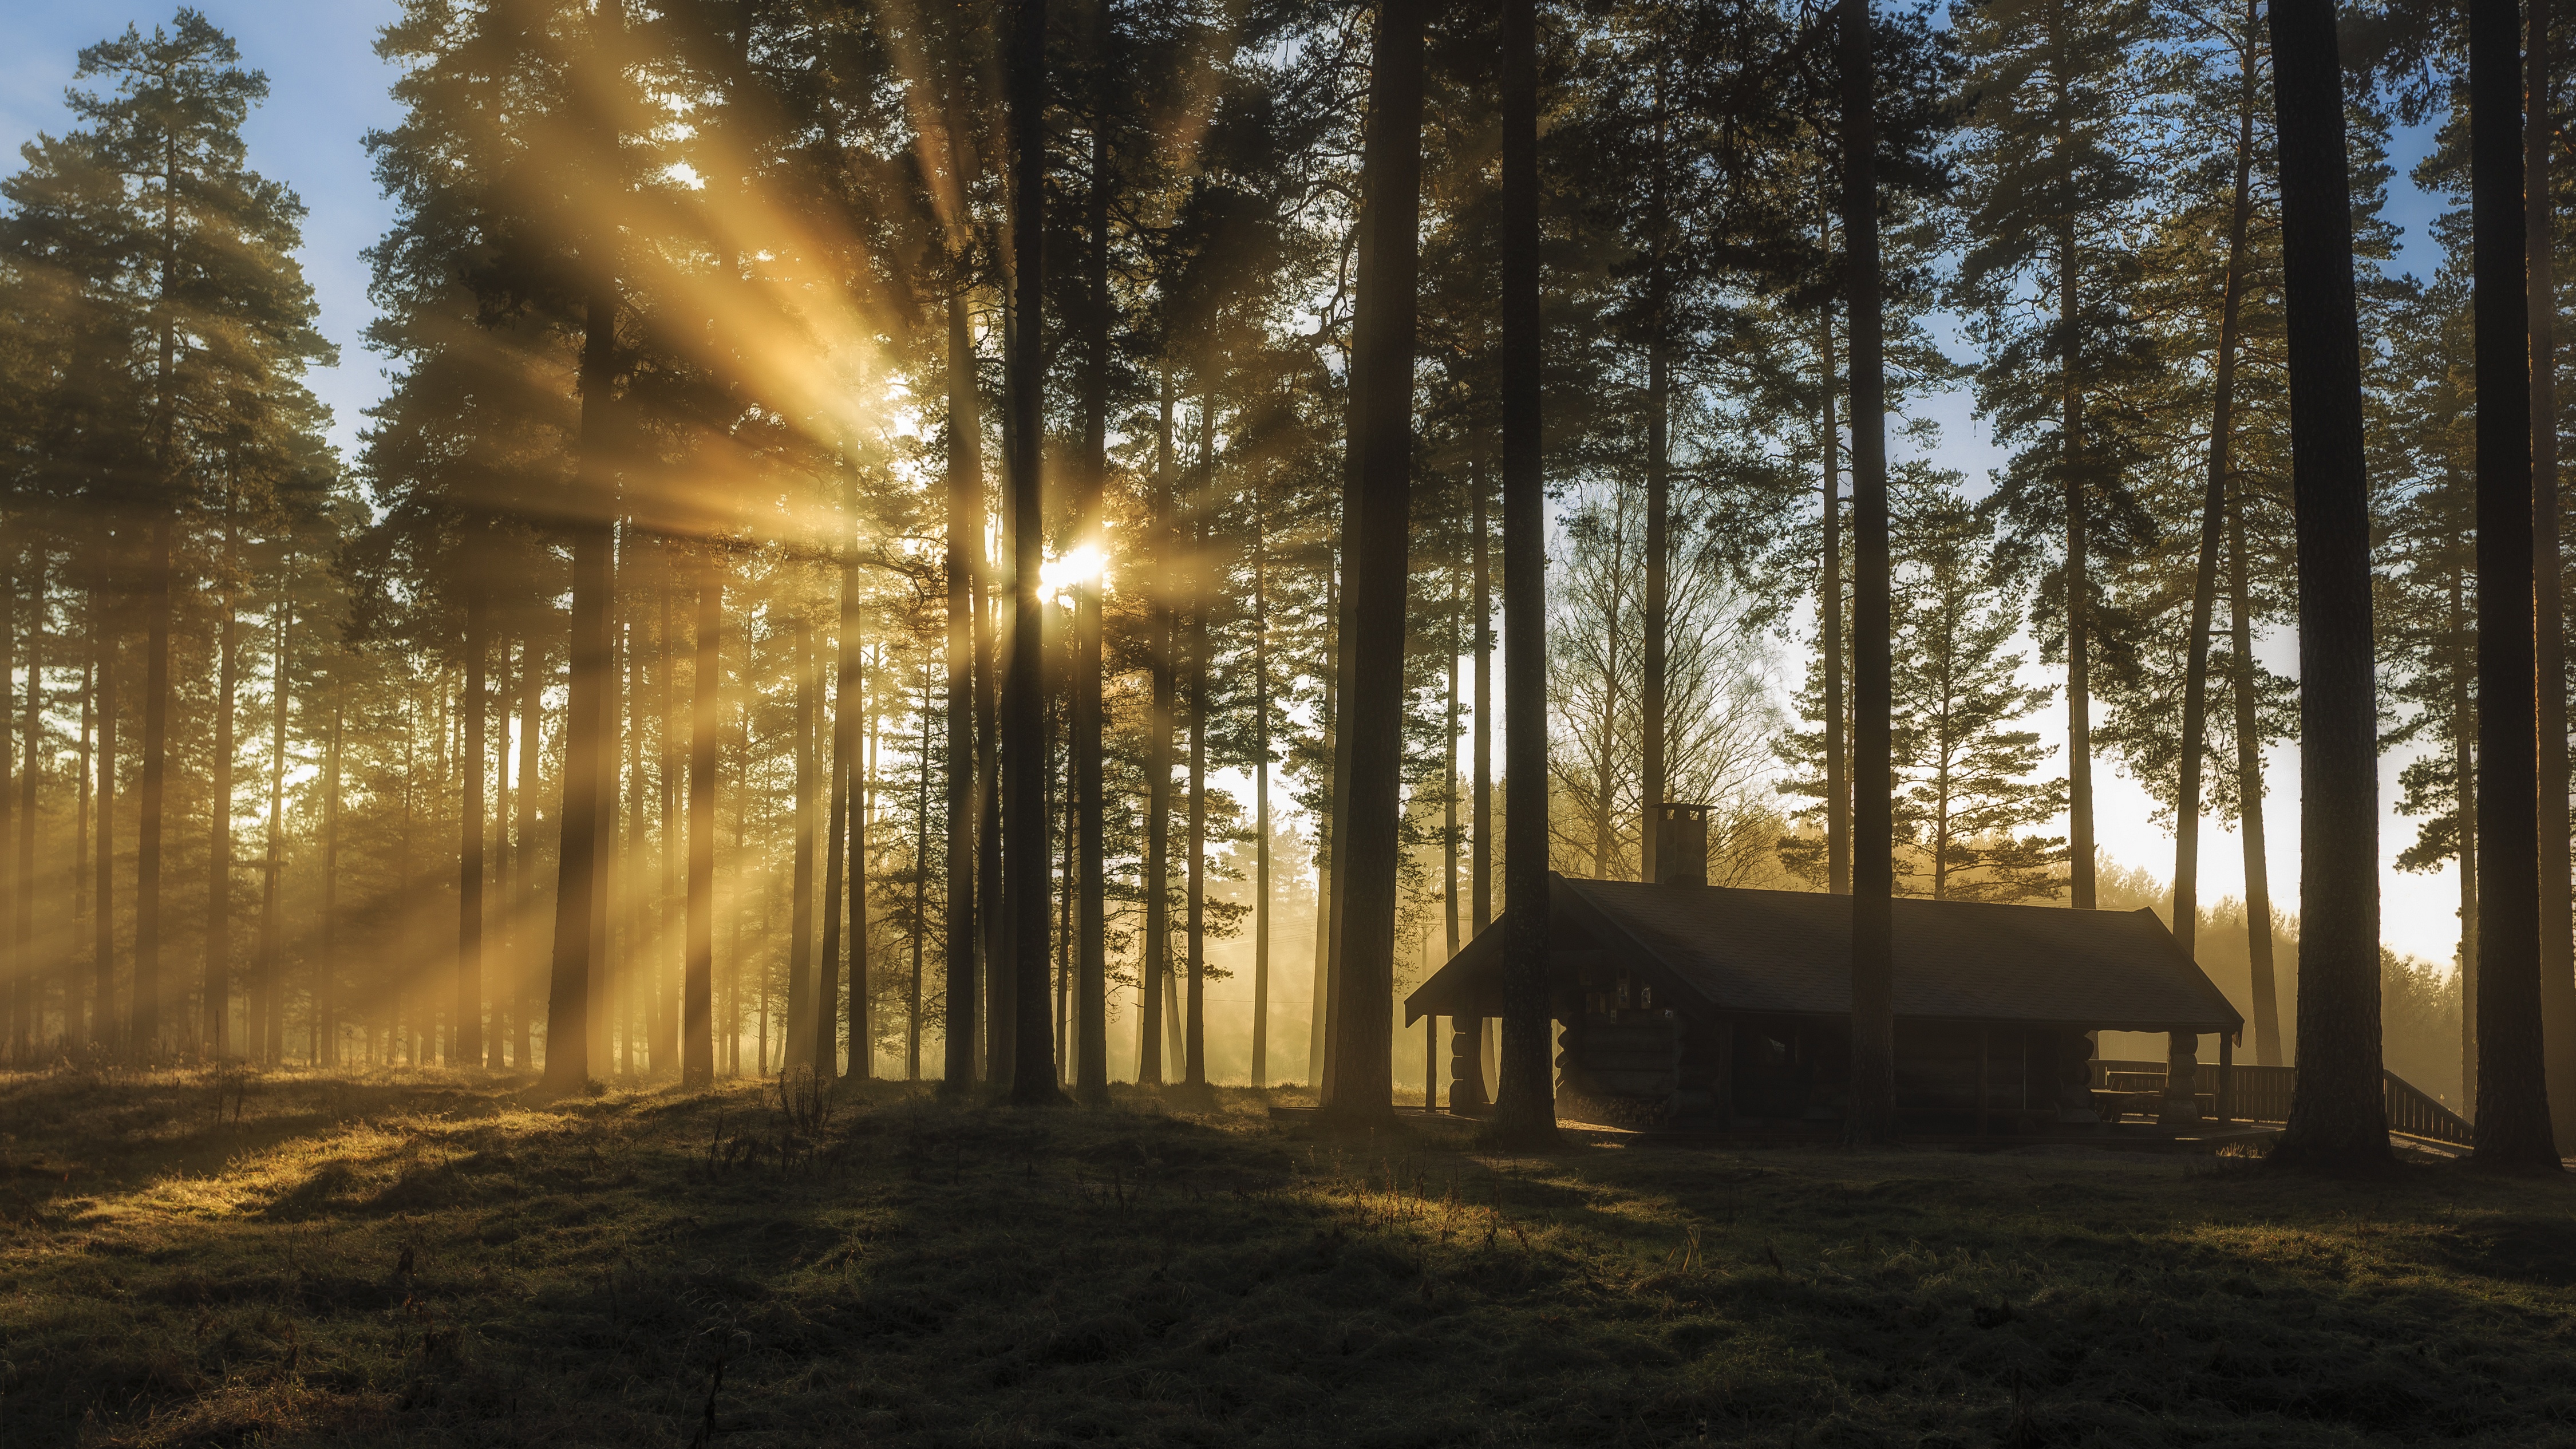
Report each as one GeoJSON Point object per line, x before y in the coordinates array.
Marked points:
{"type": "Point", "coordinates": [1646, 996]}
{"type": "Point", "coordinates": [1623, 989]}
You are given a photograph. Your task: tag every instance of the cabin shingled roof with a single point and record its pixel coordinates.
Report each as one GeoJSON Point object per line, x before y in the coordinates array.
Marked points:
{"type": "Point", "coordinates": [1789, 952]}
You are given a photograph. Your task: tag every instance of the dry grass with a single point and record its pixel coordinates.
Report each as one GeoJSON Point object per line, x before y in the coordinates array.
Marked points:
{"type": "Point", "coordinates": [422, 1259]}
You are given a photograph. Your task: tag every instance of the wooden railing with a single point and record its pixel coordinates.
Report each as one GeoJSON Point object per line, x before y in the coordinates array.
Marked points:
{"type": "Point", "coordinates": [2262, 1094]}
{"type": "Point", "coordinates": [2416, 1115]}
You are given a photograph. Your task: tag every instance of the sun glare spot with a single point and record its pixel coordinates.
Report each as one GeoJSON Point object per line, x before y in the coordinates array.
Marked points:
{"type": "Point", "coordinates": [1058, 576]}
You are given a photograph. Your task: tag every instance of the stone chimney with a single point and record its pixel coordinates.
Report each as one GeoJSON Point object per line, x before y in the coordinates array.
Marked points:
{"type": "Point", "coordinates": [1681, 844]}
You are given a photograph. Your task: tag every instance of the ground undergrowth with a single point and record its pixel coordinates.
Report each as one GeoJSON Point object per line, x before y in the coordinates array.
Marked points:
{"type": "Point", "coordinates": [417, 1259]}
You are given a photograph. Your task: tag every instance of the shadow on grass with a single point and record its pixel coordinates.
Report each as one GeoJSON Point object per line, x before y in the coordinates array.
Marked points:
{"type": "Point", "coordinates": [453, 1261]}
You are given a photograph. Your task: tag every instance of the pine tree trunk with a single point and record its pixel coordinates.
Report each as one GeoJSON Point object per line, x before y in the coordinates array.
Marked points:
{"type": "Point", "coordinates": [79, 1030]}
{"type": "Point", "coordinates": [1470, 1053]}
{"type": "Point", "coordinates": [2337, 1119]}
{"type": "Point", "coordinates": [326, 965]}
{"type": "Point", "coordinates": [800, 909]}
{"type": "Point", "coordinates": [825, 1050]}
{"type": "Point", "coordinates": [585, 722]}
{"type": "Point", "coordinates": [697, 986]}
{"type": "Point", "coordinates": [30, 1027]}
{"type": "Point", "coordinates": [272, 924]}
{"type": "Point", "coordinates": [1091, 979]}
{"type": "Point", "coordinates": [1194, 1015]}
{"type": "Point", "coordinates": [1061, 773]}
{"type": "Point", "coordinates": [920, 904]}
{"type": "Point", "coordinates": [2557, 907]}
{"type": "Point", "coordinates": [1261, 796]}
{"type": "Point", "coordinates": [1480, 860]}
{"type": "Point", "coordinates": [671, 953]}
{"type": "Point", "coordinates": [1449, 792]}
{"type": "Point", "coordinates": [532, 679]}
{"type": "Point", "coordinates": [1319, 999]}
{"type": "Point", "coordinates": [854, 679]}
{"type": "Point", "coordinates": [606, 973]}
{"type": "Point", "coordinates": [13, 957]}
{"type": "Point", "coordinates": [103, 1032]}
{"type": "Point", "coordinates": [1359, 1088]}
{"type": "Point", "coordinates": [1525, 1097]}
{"type": "Point", "coordinates": [1025, 882]}
{"type": "Point", "coordinates": [1652, 786]}
{"type": "Point", "coordinates": [965, 550]}
{"type": "Point", "coordinates": [214, 1030]}
{"type": "Point", "coordinates": [506, 862]}
{"type": "Point", "coordinates": [2458, 636]}
{"type": "Point", "coordinates": [2213, 518]}
{"type": "Point", "coordinates": [466, 1045]}
{"type": "Point", "coordinates": [1659, 387]}
{"type": "Point", "coordinates": [994, 934]}
{"type": "Point", "coordinates": [1873, 1038]}
{"type": "Point", "coordinates": [1158, 761]}
{"type": "Point", "coordinates": [1829, 631]}
{"type": "Point", "coordinates": [2249, 795]}
{"type": "Point", "coordinates": [150, 798]}
{"type": "Point", "coordinates": [2080, 857]}
{"type": "Point", "coordinates": [2513, 1127]}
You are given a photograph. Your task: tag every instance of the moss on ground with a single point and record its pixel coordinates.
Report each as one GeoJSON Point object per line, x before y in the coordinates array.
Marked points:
{"type": "Point", "coordinates": [425, 1259]}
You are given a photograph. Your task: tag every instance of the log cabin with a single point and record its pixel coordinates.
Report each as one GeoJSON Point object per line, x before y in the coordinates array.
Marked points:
{"type": "Point", "coordinates": [1681, 1004]}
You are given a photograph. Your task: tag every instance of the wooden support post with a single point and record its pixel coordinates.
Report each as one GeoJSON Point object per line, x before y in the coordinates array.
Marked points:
{"type": "Point", "coordinates": [2226, 1078]}
{"type": "Point", "coordinates": [2181, 1106]}
{"type": "Point", "coordinates": [1431, 1063]}
{"type": "Point", "coordinates": [1984, 1075]}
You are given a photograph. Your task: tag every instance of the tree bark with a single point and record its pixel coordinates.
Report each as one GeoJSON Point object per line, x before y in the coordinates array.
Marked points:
{"type": "Point", "coordinates": [1320, 998]}
{"type": "Point", "coordinates": [585, 717]}
{"type": "Point", "coordinates": [326, 965]}
{"type": "Point", "coordinates": [216, 1020]}
{"type": "Point", "coordinates": [2337, 1119]}
{"type": "Point", "coordinates": [1829, 634]}
{"type": "Point", "coordinates": [30, 992]}
{"type": "Point", "coordinates": [2213, 518]}
{"type": "Point", "coordinates": [825, 1050]}
{"type": "Point", "coordinates": [1025, 881]}
{"type": "Point", "coordinates": [994, 926]}
{"type": "Point", "coordinates": [532, 681]}
{"type": "Point", "coordinates": [1194, 1013]}
{"type": "Point", "coordinates": [1261, 794]}
{"type": "Point", "coordinates": [2249, 795]}
{"type": "Point", "coordinates": [103, 1031]}
{"type": "Point", "coordinates": [465, 1046]}
{"type": "Point", "coordinates": [1659, 384]}
{"type": "Point", "coordinates": [1471, 1056]}
{"type": "Point", "coordinates": [2513, 1128]}
{"type": "Point", "coordinates": [1449, 789]}
{"type": "Point", "coordinates": [2458, 636]}
{"type": "Point", "coordinates": [1158, 759]}
{"type": "Point", "coordinates": [965, 551]}
{"type": "Point", "coordinates": [2557, 908]}
{"type": "Point", "coordinates": [1525, 1097]}
{"type": "Point", "coordinates": [1359, 1087]}
{"type": "Point", "coordinates": [920, 903]}
{"type": "Point", "coordinates": [854, 689]}
{"type": "Point", "coordinates": [799, 1033]}
{"type": "Point", "coordinates": [150, 798]}
{"type": "Point", "coordinates": [1091, 926]}
{"type": "Point", "coordinates": [1873, 1038]}
{"type": "Point", "coordinates": [697, 985]}
{"type": "Point", "coordinates": [504, 862]}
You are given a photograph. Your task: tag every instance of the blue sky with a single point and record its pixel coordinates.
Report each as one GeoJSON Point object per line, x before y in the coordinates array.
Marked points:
{"type": "Point", "coordinates": [328, 89]}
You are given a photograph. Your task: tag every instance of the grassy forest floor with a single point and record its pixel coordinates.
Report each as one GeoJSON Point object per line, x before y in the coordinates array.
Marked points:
{"type": "Point", "coordinates": [427, 1259]}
